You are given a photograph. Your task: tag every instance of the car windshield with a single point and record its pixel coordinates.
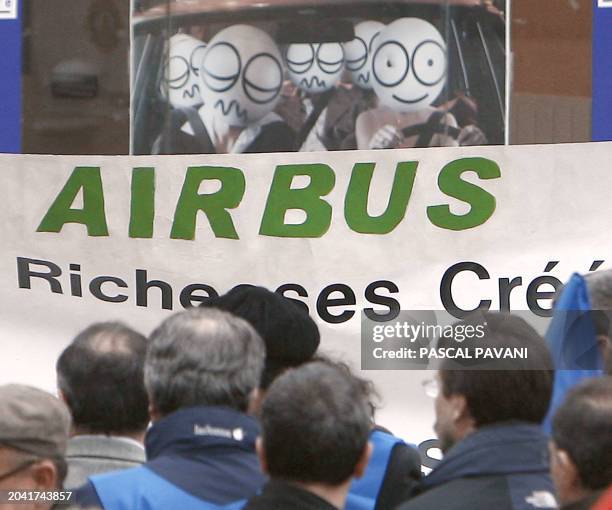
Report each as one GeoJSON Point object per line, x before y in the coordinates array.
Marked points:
{"type": "Point", "coordinates": [242, 76]}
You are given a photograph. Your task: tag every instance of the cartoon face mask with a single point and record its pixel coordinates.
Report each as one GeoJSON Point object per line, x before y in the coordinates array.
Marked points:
{"type": "Point", "coordinates": [242, 75]}
{"type": "Point", "coordinates": [316, 67]}
{"type": "Point", "coordinates": [358, 52]}
{"type": "Point", "coordinates": [181, 75]}
{"type": "Point", "coordinates": [409, 64]}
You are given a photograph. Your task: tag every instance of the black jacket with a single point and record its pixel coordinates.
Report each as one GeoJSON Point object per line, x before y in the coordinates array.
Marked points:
{"type": "Point", "coordinates": [277, 495]}
{"type": "Point", "coordinates": [499, 467]}
{"type": "Point", "coordinates": [274, 136]}
{"type": "Point", "coordinates": [401, 477]}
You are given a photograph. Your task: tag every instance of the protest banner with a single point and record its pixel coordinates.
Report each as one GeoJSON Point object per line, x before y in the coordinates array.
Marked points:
{"type": "Point", "coordinates": [133, 238]}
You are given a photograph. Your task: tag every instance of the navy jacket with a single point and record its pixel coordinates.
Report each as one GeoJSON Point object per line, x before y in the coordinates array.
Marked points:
{"type": "Point", "coordinates": [277, 495]}
{"type": "Point", "coordinates": [502, 466]}
{"type": "Point", "coordinates": [203, 453]}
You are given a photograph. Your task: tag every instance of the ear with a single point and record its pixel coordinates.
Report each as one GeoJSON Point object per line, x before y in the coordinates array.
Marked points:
{"type": "Point", "coordinates": [363, 460]}
{"type": "Point", "coordinates": [459, 408]}
{"type": "Point", "coordinates": [62, 396]}
{"type": "Point", "coordinates": [462, 418]}
{"type": "Point", "coordinates": [605, 346]}
{"type": "Point", "coordinates": [255, 401]}
{"type": "Point", "coordinates": [261, 454]}
{"type": "Point", "coordinates": [45, 475]}
{"type": "Point", "coordinates": [154, 414]}
{"type": "Point", "coordinates": [570, 472]}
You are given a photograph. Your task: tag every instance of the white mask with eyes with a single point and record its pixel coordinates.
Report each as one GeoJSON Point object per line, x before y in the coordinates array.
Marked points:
{"type": "Point", "coordinates": [409, 64]}
{"type": "Point", "coordinates": [358, 53]}
{"type": "Point", "coordinates": [181, 75]}
{"type": "Point", "coordinates": [315, 68]}
{"type": "Point", "coordinates": [242, 75]}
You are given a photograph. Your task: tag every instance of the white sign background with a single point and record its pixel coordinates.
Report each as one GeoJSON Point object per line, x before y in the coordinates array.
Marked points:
{"type": "Point", "coordinates": [553, 204]}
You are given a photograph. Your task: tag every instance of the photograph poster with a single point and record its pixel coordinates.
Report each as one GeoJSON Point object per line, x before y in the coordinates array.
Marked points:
{"type": "Point", "coordinates": [213, 76]}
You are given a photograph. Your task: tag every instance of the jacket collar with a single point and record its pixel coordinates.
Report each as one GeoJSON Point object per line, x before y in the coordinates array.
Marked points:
{"type": "Point", "coordinates": [500, 449]}
{"type": "Point", "coordinates": [105, 447]}
{"type": "Point", "coordinates": [191, 430]}
{"type": "Point", "coordinates": [280, 494]}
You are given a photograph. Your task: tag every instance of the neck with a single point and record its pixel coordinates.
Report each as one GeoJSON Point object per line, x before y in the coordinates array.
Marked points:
{"type": "Point", "coordinates": [85, 431]}
{"type": "Point", "coordinates": [335, 495]}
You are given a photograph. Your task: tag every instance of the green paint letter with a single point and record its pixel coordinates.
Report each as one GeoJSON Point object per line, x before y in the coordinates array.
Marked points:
{"type": "Point", "coordinates": [482, 203]}
{"type": "Point", "coordinates": [86, 178]}
{"type": "Point", "coordinates": [356, 202]}
{"type": "Point", "coordinates": [142, 208]}
{"type": "Point", "coordinates": [308, 199]}
{"type": "Point", "coordinates": [214, 205]}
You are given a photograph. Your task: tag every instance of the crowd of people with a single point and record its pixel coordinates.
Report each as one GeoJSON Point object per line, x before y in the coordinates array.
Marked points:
{"type": "Point", "coordinates": [231, 405]}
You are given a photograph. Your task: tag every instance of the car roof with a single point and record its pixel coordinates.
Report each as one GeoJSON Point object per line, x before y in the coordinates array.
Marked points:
{"type": "Point", "coordinates": [188, 8]}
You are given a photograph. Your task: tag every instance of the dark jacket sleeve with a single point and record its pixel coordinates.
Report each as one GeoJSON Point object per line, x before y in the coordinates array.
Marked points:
{"type": "Point", "coordinates": [401, 478]}
{"type": "Point", "coordinates": [87, 497]}
{"type": "Point", "coordinates": [172, 140]}
{"type": "Point", "coordinates": [274, 137]}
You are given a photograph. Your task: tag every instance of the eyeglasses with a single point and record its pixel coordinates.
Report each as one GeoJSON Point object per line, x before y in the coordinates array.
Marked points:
{"type": "Point", "coordinates": [20, 467]}
{"type": "Point", "coordinates": [431, 387]}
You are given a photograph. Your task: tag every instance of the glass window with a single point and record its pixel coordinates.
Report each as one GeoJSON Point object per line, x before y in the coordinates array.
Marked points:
{"type": "Point", "coordinates": [314, 75]}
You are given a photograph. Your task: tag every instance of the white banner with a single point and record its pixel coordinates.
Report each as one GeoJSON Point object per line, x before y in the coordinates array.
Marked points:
{"type": "Point", "coordinates": [93, 238]}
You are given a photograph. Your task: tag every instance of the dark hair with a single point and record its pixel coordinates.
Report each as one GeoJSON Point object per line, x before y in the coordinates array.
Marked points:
{"type": "Point", "coordinates": [315, 424]}
{"type": "Point", "coordinates": [521, 391]}
{"type": "Point", "coordinates": [203, 356]}
{"type": "Point", "coordinates": [101, 376]}
{"type": "Point", "coordinates": [582, 426]}
{"type": "Point", "coordinates": [368, 389]}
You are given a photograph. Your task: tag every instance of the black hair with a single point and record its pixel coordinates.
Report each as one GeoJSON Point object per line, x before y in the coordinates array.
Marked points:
{"type": "Point", "coordinates": [368, 388]}
{"type": "Point", "coordinates": [582, 426]}
{"type": "Point", "coordinates": [521, 390]}
{"type": "Point", "coordinates": [315, 425]}
{"type": "Point", "coordinates": [101, 377]}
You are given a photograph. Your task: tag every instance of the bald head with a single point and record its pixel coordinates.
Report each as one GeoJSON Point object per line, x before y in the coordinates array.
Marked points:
{"type": "Point", "coordinates": [100, 375]}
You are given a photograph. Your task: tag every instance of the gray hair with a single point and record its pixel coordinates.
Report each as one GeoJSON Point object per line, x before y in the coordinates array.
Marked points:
{"type": "Point", "coordinates": [203, 356]}
{"type": "Point", "coordinates": [599, 284]}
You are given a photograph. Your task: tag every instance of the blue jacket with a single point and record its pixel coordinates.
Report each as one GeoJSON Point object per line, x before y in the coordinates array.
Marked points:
{"type": "Point", "coordinates": [571, 337]}
{"type": "Point", "coordinates": [199, 458]}
{"type": "Point", "coordinates": [502, 466]}
{"type": "Point", "coordinates": [364, 492]}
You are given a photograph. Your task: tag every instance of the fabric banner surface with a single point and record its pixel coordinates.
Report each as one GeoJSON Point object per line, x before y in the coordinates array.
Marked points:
{"type": "Point", "coordinates": [95, 238]}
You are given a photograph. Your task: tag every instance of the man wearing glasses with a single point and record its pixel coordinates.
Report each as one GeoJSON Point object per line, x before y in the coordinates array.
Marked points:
{"type": "Point", "coordinates": [488, 419]}
{"type": "Point", "coordinates": [34, 428]}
